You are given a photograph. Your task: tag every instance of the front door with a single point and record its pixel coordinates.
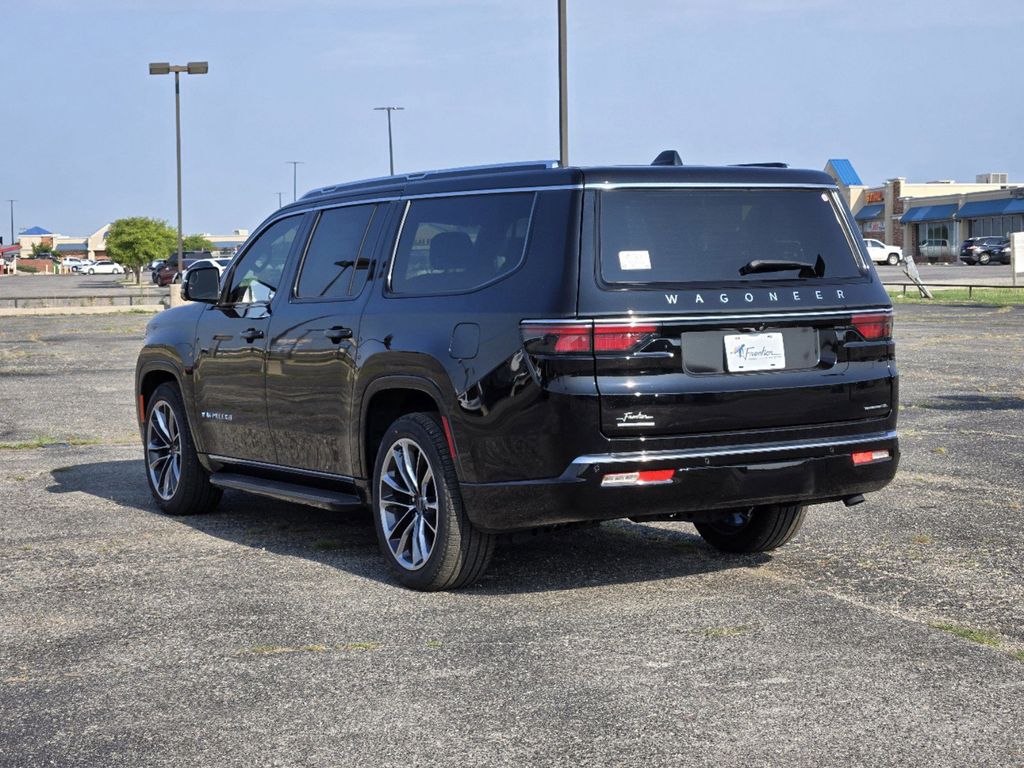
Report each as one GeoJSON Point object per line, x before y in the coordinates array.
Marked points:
{"type": "Point", "coordinates": [313, 340]}
{"type": "Point", "coordinates": [231, 338]}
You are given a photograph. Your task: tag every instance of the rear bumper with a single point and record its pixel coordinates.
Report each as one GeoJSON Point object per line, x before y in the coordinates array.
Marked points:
{"type": "Point", "coordinates": [704, 480]}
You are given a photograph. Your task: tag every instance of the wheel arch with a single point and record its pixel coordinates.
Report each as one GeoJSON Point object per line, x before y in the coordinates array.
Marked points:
{"type": "Point", "coordinates": [159, 372]}
{"type": "Point", "coordinates": [386, 399]}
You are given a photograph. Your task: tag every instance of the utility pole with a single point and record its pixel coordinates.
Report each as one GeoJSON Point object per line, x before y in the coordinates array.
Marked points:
{"type": "Point", "coordinates": [391, 146]}
{"type": "Point", "coordinates": [295, 175]}
{"type": "Point", "coordinates": [563, 90]}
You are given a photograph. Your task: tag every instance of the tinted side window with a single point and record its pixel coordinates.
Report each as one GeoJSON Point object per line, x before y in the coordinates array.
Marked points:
{"type": "Point", "coordinates": [332, 255]}
{"type": "Point", "coordinates": [257, 275]}
{"type": "Point", "coordinates": [452, 244]}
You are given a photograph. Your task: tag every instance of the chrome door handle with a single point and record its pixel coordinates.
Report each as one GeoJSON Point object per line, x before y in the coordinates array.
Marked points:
{"type": "Point", "coordinates": [337, 333]}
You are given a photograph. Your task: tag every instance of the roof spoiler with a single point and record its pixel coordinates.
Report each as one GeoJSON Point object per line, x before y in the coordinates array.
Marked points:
{"type": "Point", "coordinates": [668, 157]}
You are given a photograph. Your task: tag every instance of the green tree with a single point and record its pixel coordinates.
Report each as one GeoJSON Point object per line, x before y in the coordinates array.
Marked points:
{"type": "Point", "coordinates": [136, 241]}
{"type": "Point", "coordinates": [42, 251]}
{"type": "Point", "coordinates": [196, 243]}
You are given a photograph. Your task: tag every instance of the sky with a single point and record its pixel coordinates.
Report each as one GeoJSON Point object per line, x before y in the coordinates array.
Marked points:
{"type": "Point", "coordinates": [924, 89]}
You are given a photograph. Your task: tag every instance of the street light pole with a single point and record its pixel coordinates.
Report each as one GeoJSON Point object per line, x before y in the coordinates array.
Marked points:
{"type": "Point", "coordinates": [563, 90]}
{"type": "Point", "coordinates": [192, 68]}
{"type": "Point", "coordinates": [295, 175]}
{"type": "Point", "coordinates": [279, 203]}
{"type": "Point", "coordinates": [12, 202]}
{"type": "Point", "coordinates": [391, 145]}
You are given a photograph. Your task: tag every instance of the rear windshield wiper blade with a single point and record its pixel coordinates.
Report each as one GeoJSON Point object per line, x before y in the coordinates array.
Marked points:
{"type": "Point", "coordinates": [817, 269]}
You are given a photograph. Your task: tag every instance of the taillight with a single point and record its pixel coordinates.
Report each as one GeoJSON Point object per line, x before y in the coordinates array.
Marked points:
{"type": "Point", "coordinates": [581, 338]}
{"type": "Point", "coordinates": [553, 339]}
{"type": "Point", "coordinates": [620, 338]}
{"type": "Point", "coordinates": [873, 327]}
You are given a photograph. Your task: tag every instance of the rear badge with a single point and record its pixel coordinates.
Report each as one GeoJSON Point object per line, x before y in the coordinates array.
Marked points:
{"type": "Point", "coordinates": [634, 419]}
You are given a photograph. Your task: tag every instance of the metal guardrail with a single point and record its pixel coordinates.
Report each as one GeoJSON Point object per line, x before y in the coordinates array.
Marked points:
{"type": "Point", "coordinates": [939, 286]}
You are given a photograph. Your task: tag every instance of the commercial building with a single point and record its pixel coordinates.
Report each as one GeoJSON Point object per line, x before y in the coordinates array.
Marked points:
{"type": "Point", "coordinates": [946, 221]}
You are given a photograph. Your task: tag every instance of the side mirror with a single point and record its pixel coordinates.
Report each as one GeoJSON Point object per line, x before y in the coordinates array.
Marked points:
{"type": "Point", "coordinates": [202, 284]}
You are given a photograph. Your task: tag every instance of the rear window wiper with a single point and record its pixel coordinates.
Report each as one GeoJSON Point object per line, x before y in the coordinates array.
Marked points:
{"type": "Point", "coordinates": [817, 269]}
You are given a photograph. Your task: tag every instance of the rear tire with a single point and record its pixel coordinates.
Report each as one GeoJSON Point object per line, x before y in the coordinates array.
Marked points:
{"type": "Point", "coordinates": [423, 531]}
{"type": "Point", "coordinates": [758, 529]}
{"type": "Point", "coordinates": [170, 451]}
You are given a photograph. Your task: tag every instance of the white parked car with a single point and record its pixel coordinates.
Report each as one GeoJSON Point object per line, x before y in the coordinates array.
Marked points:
{"type": "Point", "coordinates": [881, 253]}
{"type": "Point", "coordinates": [103, 267]}
{"type": "Point", "coordinates": [73, 263]}
{"type": "Point", "coordinates": [220, 264]}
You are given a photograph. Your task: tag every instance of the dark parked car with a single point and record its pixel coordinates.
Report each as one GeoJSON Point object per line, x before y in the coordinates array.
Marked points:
{"type": "Point", "coordinates": [169, 272]}
{"type": "Point", "coordinates": [487, 350]}
{"type": "Point", "coordinates": [985, 250]}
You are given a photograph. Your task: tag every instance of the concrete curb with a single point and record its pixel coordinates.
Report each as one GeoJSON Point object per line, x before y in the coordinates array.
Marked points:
{"type": "Point", "coordinates": [106, 310]}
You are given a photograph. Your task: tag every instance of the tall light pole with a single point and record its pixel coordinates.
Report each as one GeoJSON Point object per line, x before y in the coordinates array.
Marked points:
{"type": "Point", "coordinates": [279, 203]}
{"type": "Point", "coordinates": [295, 175]}
{"type": "Point", "coordinates": [12, 202]}
{"type": "Point", "coordinates": [563, 90]}
{"type": "Point", "coordinates": [192, 68]}
{"type": "Point", "coordinates": [391, 145]}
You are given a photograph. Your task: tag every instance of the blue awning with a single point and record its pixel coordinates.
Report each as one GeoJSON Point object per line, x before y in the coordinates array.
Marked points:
{"type": "Point", "coordinates": [869, 212]}
{"type": "Point", "coordinates": [1003, 207]}
{"type": "Point", "coordinates": [929, 213]}
{"type": "Point", "coordinates": [82, 246]}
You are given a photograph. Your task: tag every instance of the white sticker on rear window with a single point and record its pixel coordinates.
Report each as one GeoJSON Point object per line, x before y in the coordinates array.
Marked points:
{"type": "Point", "coordinates": [634, 259]}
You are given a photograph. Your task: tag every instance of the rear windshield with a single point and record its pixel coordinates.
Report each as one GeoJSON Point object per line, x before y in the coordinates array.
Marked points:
{"type": "Point", "coordinates": [707, 235]}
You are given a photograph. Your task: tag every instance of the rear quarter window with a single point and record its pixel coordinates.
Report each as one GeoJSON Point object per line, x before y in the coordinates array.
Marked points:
{"type": "Point", "coordinates": [459, 244]}
{"type": "Point", "coordinates": [680, 236]}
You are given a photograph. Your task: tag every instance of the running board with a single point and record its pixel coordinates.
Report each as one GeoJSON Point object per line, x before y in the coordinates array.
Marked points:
{"type": "Point", "coordinates": [276, 489]}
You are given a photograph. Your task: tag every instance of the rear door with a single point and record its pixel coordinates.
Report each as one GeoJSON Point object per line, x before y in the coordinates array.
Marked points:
{"type": "Point", "coordinates": [723, 310]}
{"type": "Point", "coordinates": [314, 339]}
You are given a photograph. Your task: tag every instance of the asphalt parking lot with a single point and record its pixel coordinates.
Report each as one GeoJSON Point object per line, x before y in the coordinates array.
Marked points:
{"type": "Point", "coordinates": [890, 634]}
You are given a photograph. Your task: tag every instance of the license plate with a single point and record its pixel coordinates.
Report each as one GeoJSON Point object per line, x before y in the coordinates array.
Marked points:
{"type": "Point", "coordinates": [754, 352]}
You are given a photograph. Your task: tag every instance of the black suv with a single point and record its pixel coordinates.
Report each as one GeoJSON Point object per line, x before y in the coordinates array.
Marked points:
{"type": "Point", "coordinates": [486, 350]}
{"type": "Point", "coordinates": [985, 250]}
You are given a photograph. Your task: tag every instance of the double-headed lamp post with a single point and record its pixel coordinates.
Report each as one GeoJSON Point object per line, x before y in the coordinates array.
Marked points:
{"type": "Point", "coordinates": [192, 68]}
{"type": "Point", "coordinates": [391, 146]}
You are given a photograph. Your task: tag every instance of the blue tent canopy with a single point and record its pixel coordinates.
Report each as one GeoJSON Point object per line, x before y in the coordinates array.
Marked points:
{"type": "Point", "coordinates": [1003, 207]}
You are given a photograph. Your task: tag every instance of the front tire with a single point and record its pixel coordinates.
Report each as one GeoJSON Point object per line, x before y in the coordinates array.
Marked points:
{"type": "Point", "coordinates": [423, 531]}
{"type": "Point", "coordinates": [984, 259]}
{"type": "Point", "coordinates": [92, 271]}
{"type": "Point", "coordinates": [892, 259]}
{"type": "Point", "coordinates": [757, 529]}
{"type": "Point", "coordinates": [179, 483]}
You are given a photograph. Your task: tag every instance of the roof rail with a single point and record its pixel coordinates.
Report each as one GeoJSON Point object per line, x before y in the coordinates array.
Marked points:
{"type": "Point", "coordinates": [761, 165]}
{"type": "Point", "coordinates": [440, 173]}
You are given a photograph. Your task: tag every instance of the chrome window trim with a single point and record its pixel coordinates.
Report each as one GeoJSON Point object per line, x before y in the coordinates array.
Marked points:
{"type": "Point", "coordinates": [702, 185]}
{"type": "Point", "coordinates": [581, 463]}
{"type": "Point", "coordinates": [279, 468]}
{"type": "Point", "coordinates": [638, 318]}
{"type": "Point", "coordinates": [394, 248]}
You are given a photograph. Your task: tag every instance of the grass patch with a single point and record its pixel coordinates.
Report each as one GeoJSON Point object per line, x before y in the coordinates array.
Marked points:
{"type": "Point", "coordinates": [272, 650]}
{"type": "Point", "coordinates": [1018, 655]}
{"type": "Point", "coordinates": [437, 644]}
{"type": "Point", "coordinates": [923, 538]}
{"type": "Point", "coordinates": [44, 441]}
{"type": "Point", "coordinates": [982, 636]}
{"type": "Point", "coordinates": [995, 297]}
{"type": "Point", "coordinates": [742, 629]}
{"type": "Point", "coordinates": [358, 646]}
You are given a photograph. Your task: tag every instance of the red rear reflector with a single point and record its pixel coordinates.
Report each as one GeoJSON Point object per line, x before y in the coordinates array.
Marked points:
{"type": "Point", "coordinates": [869, 457]}
{"type": "Point", "coordinates": [873, 327]}
{"type": "Point", "coordinates": [619, 338]}
{"type": "Point", "coordinates": [647, 477]}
